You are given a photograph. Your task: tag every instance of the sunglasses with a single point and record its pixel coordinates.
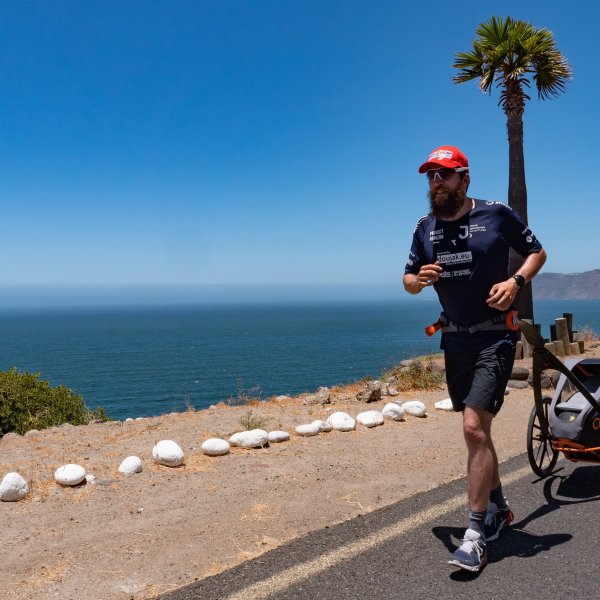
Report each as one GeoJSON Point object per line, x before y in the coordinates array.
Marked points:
{"type": "Point", "coordinates": [443, 174]}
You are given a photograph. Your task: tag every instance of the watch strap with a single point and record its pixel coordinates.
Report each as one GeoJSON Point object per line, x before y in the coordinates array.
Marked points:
{"type": "Point", "coordinates": [520, 280]}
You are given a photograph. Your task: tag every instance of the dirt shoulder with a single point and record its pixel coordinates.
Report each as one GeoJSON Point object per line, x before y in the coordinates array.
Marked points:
{"type": "Point", "coordinates": [137, 536]}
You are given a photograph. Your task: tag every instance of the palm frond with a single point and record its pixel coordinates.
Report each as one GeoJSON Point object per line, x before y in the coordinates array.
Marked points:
{"type": "Point", "coordinates": [508, 50]}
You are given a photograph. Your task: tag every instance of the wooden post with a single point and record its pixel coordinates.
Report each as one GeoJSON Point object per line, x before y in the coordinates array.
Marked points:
{"type": "Point", "coordinates": [550, 346]}
{"type": "Point", "coordinates": [574, 348]}
{"type": "Point", "coordinates": [527, 349]}
{"type": "Point", "coordinates": [569, 318]}
{"type": "Point", "coordinates": [559, 348]}
{"type": "Point", "coordinates": [580, 339]}
{"type": "Point", "coordinates": [552, 332]}
{"type": "Point", "coordinates": [519, 350]}
{"type": "Point", "coordinates": [562, 333]}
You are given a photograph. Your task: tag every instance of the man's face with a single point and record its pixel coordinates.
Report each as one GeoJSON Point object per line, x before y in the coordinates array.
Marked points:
{"type": "Point", "coordinates": [447, 193]}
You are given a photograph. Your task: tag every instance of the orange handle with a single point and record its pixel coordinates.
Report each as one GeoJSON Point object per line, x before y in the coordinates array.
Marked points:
{"type": "Point", "coordinates": [512, 318]}
{"type": "Point", "coordinates": [432, 329]}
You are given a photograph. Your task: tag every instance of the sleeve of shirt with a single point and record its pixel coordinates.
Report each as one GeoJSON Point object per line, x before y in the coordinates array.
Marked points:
{"type": "Point", "coordinates": [518, 235]}
{"type": "Point", "coordinates": [415, 260]}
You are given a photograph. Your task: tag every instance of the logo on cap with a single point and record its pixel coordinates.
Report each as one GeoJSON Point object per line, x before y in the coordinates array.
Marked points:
{"type": "Point", "coordinates": [440, 154]}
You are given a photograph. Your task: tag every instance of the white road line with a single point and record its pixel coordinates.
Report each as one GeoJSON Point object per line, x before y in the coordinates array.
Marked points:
{"type": "Point", "coordinates": [293, 575]}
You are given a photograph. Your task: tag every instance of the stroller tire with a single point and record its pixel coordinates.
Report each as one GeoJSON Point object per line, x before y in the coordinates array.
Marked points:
{"type": "Point", "coordinates": [542, 456]}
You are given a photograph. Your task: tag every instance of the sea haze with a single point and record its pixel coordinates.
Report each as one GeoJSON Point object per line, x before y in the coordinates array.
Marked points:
{"type": "Point", "coordinates": [142, 361]}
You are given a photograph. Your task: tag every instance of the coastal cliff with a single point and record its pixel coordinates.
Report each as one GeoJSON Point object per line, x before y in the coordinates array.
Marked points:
{"type": "Point", "coordinates": [568, 286]}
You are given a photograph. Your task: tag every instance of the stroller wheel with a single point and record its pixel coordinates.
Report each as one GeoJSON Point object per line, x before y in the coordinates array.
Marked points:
{"type": "Point", "coordinates": [542, 456]}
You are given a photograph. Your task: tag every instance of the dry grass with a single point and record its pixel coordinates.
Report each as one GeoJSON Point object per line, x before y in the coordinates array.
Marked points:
{"type": "Point", "coordinates": [420, 375]}
{"type": "Point", "coordinates": [589, 335]}
{"type": "Point", "coordinates": [251, 421]}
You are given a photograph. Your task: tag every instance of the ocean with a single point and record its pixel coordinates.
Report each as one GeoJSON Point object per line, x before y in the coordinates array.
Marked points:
{"type": "Point", "coordinates": [145, 361]}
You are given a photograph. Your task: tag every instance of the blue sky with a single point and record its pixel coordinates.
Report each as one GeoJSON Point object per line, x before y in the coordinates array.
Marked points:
{"type": "Point", "coordinates": [253, 142]}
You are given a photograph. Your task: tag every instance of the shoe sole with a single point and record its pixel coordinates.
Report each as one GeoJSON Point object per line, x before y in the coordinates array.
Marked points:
{"type": "Point", "coordinates": [509, 519]}
{"type": "Point", "coordinates": [473, 569]}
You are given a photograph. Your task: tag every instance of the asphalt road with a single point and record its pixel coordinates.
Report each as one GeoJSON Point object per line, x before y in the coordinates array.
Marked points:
{"type": "Point", "coordinates": [551, 550]}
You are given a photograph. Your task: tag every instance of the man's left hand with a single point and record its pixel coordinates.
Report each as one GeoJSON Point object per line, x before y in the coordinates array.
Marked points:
{"type": "Point", "coordinates": [502, 294]}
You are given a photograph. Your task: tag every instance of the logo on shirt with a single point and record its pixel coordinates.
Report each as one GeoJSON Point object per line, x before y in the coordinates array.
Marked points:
{"type": "Point", "coordinates": [464, 232]}
{"type": "Point", "coordinates": [455, 258]}
{"type": "Point", "coordinates": [436, 235]}
{"type": "Point", "coordinates": [528, 235]}
{"type": "Point", "coordinates": [475, 228]}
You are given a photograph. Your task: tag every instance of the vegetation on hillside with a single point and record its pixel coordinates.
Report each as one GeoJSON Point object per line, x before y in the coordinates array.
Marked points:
{"type": "Point", "coordinates": [420, 374]}
{"type": "Point", "coordinates": [27, 402]}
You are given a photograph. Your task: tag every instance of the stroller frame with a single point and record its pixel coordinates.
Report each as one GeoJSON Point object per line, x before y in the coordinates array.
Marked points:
{"type": "Point", "coordinates": [542, 446]}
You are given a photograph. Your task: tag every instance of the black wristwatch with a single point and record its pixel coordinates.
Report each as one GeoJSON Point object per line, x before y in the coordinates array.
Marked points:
{"type": "Point", "coordinates": [520, 280]}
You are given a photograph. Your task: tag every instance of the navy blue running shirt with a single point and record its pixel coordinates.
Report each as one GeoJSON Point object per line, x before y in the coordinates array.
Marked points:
{"type": "Point", "coordinates": [473, 252]}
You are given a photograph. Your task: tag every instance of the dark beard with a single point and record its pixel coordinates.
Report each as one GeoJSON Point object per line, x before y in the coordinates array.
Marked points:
{"type": "Point", "coordinates": [444, 208]}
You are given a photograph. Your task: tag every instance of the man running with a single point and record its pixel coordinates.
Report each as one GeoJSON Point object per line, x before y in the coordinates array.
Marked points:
{"type": "Point", "coordinates": [461, 248]}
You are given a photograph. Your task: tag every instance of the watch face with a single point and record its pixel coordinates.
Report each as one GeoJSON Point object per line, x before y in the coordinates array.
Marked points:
{"type": "Point", "coordinates": [519, 279]}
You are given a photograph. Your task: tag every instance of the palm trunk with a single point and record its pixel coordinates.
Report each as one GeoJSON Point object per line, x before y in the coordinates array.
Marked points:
{"type": "Point", "coordinates": [517, 188]}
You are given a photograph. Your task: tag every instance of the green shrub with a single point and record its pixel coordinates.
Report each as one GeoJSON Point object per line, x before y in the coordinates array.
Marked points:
{"type": "Point", "coordinates": [251, 421]}
{"type": "Point", "coordinates": [26, 402]}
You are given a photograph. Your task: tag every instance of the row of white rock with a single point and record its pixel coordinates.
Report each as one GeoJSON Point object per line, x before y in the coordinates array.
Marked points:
{"type": "Point", "coordinates": [167, 452]}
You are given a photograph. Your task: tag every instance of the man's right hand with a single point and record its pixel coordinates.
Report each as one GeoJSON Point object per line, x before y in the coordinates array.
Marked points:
{"type": "Point", "coordinates": [427, 276]}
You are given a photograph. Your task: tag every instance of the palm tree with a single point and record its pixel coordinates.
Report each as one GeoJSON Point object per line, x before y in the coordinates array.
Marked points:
{"type": "Point", "coordinates": [512, 54]}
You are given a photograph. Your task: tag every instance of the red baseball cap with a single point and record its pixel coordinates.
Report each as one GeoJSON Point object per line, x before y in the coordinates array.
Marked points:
{"type": "Point", "coordinates": [445, 157]}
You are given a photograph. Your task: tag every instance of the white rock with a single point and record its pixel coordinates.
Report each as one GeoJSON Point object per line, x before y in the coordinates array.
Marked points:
{"type": "Point", "coordinates": [415, 408]}
{"type": "Point", "coordinates": [282, 398]}
{"type": "Point", "coordinates": [255, 438]}
{"type": "Point", "coordinates": [128, 419]}
{"type": "Point", "coordinates": [370, 418]}
{"type": "Point", "coordinates": [69, 475]}
{"type": "Point", "coordinates": [278, 436]}
{"type": "Point", "coordinates": [131, 465]}
{"type": "Point", "coordinates": [445, 404]}
{"type": "Point", "coordinates": [341, 421]}
{"type": "Point", "coordinates": [168, 453]}
{"type": "Point", "coordinates": [13, 488]}
{"type": "Point", "coordinates": [308, 430]}
{"type": "Point", "coordinates": [392, 391]}
{"type": "Point", "coordinates": [323, 426]}
{"type": "Point", "coordinates": [216, 447]}
{"type": "Point", "coordinates": [393, 410]}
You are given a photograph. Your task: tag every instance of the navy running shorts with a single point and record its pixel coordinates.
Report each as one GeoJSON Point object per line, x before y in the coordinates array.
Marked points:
{"type": "Point", "coordinates": [479, 378]}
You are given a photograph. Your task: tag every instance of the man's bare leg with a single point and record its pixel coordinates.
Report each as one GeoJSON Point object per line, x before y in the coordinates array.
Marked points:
{"type": "Point", "coordinates": [482, 464]}
{"type": "Point", "coordinates": [482, 473]}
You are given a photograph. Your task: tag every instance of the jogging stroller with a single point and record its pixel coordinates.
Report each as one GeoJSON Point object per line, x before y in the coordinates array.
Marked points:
{"type": "Point", "coordinates": [569, 421]}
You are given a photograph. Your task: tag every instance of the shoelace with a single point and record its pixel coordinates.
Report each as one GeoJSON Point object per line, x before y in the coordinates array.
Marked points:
{"type": "Point", "coordinates": [472, 545]}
